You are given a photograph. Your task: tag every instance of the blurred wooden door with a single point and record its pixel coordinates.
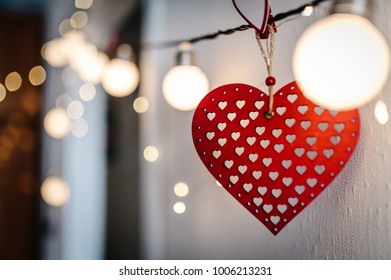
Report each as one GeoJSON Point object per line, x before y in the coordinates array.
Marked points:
{"type": "Point", "coordinates": [20, 122]}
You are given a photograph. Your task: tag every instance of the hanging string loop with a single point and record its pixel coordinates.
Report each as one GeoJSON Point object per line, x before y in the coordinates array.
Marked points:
{"type": "Point", "coordinates": [267, 54]}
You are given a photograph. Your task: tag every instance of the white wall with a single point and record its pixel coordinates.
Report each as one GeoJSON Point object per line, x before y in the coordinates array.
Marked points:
{"type": "Point", "coordinates": [350, 220]}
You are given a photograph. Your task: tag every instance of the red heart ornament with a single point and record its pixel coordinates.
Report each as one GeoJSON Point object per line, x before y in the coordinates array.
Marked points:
{"type": "Point", "coordinates": [274, 168]}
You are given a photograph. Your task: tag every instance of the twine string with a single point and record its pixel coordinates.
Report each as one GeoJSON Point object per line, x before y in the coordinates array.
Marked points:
{"type": "Point", "coordinates": [267, 55]}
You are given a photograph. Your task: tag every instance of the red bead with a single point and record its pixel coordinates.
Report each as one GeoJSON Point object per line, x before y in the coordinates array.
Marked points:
{"type": "Point", "coordinates": [270, 81]}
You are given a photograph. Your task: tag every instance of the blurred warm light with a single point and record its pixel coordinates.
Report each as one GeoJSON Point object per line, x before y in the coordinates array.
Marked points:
{"type": "Point", "coordinates": [83, 4]}
{"type": "Point", "coordinates": [141, 104]}
{"type": "Point", "coordinates": [71, 43]}
{"type": "Point", "coordinates": [79, 19]}
{"type": "Point", "coordinates": [87, 92]}
{"type": "Point", "coordinates": [308, 10]}
{"type": "Point", "coordinates": [57, 124]}
{"type": "Point", "coordinates": [91, 65]}
{"type": "Point", "coordinates": [341, 62]}
{"type": "Point", "coordinates": [52, 53]}
{"type": "Point", "coordinates": [151, 153]}
{"type": "Point", "coordinates": [3, 92]}
{"type": "Point", "coordinates": [181, 189]}
{"type": "Point", "coordinates": [60, 51]}
{"type": "Point", "coordinates": [55, 191]}
{"type": "Point", "coordinates": [82, 57]}
{"type": "Point", "coordinates": [179, 207]}
{"type": "Point", "coordinates": [381, 112]}
{"type": "Point", "coordinates": [75, 110]}
{"type": "Point", "coordinates": [120, 77]}
{"type": "Point", "coordinates": [65, 26]}
{"type": "Point", "coordinates": [63, 100]}
{"type": "Point", "coordinates": [79, 128]}
{"type": "Point", "coordinates": [13, 81]}
{"type": "Point", "coordinates": [37, 75]}
{"type": "Point", "coordinates": [184, 86]}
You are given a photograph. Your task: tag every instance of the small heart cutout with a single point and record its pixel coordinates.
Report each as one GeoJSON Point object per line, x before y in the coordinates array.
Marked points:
{"type": "Point", "coordinates": [274, 168]}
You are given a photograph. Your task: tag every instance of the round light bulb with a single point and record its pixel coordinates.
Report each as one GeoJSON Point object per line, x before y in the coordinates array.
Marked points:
{"type": "Point", "coordinates": [341, 62]}
{"type": "Point", "coordinates": [120, 77]}
{"type": "Point", "coordinates": [184, 86]}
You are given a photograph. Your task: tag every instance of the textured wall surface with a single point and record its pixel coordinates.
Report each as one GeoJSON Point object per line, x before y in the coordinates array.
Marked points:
{"type": "Point", "coordinates": [349, 220]}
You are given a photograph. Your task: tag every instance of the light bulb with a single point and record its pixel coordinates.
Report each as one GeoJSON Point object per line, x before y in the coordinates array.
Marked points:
{"type": "Point", "coordinates": [120, 77]}
{"type": "Point", "coordinates": [342, 61]}
{"type": "Point", "coordinates": [184, 86]}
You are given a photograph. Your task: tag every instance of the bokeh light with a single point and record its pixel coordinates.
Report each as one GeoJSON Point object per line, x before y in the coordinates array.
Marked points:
{"type": "Point", "coordinates": [120, 77]}
{"type": "Point", "coordinates": [87, 92]}
{"type": "Point", "coordinates": [65, 26]}
{"type": "Point", "coordinates": [79, 128]}
{"type": "Point", "coordinates": [75, 110]}
{"type": "Point", "coordinates": [79, 19]}
{"type": "Point", "coordinates": [3, 92]}
{"type": "Point", "coordinates": [151, 153]}
{"type": "Point", "coordinates": [381, 112]}
{"type": "Point", "coordinates": [57, 124]}
{"type": "Point", "coordinates": [179, 207]}
{"type": "Point", "coordinates": [37, 75]}
{"type": "Point", "coordinates": [83, 4]}
{"type": "Point", "coordinates": [55, 191]}
{"type": "Point", "coordinates": [141, 104]}
{"type": "Point", "coordinates": [63, 100]}
{"type": "Point", "coordinates": [13, 81]}
{"type": "Point", "coordinates": [181, 189]}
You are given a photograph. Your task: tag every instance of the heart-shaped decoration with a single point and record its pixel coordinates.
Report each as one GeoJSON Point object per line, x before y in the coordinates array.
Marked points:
{"type": "Point", "coordinates": [254, 12]}
{"type": "Point", "coordinates": [274, 168]}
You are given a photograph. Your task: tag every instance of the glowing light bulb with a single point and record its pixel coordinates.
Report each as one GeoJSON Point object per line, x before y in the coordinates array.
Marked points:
{"type": "Point", "coordinates": [308, 10]}
{"type": "Point", "coordinates": [55, 191]}
{"type": "Point", "coordinates": [185, 84]}
{"type": "Point", "coordinates": [341, 62]}
{"type": "Point", "coordinates": [120, 77]}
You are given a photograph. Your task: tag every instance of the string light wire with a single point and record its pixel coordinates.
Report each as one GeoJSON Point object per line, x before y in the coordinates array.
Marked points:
{"type": "Point", "coordinates": [244, 27]}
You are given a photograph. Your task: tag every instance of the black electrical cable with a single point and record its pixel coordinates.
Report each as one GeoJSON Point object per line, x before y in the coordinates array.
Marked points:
{"type": "Point", "coordinates": [278, 17]}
